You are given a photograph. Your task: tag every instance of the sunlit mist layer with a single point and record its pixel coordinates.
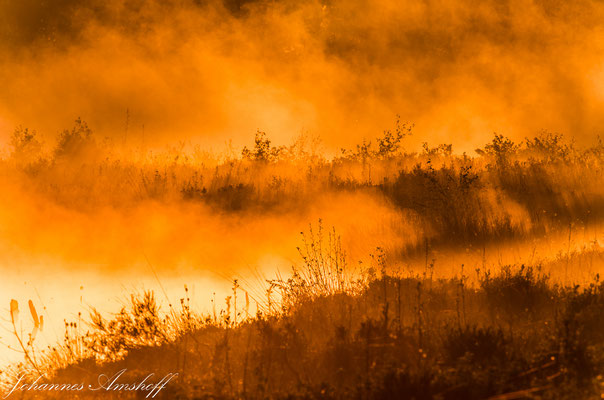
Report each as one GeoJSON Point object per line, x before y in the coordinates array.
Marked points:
{"type": "Point", "coordinates": [147, 73]}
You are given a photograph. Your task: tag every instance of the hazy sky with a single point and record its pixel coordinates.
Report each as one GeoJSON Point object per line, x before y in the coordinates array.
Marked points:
{"type": "Point", "coordinates": [207, 71]}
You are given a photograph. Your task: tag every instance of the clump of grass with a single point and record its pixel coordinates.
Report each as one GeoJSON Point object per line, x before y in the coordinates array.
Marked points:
{"type": "Point", "coordinates": [518, 293]}
{"type": "Point", "coordinates": [324, 270]}
{"type": "Point", "coordinates": [27, 346]}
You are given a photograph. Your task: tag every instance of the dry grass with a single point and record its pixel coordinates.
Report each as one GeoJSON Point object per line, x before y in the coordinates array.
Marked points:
{"type": "Point", "coordinates": [335, 333]}
{"type": "Point", "coordinates": [510, 190]}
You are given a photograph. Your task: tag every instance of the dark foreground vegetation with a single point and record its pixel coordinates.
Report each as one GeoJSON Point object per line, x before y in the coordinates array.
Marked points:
{"type": "Point", "coordinates": [332, 333]}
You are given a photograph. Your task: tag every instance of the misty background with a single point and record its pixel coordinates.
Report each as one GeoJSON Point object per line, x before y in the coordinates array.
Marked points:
{"type": "Point", "coordinates": [148, 73]}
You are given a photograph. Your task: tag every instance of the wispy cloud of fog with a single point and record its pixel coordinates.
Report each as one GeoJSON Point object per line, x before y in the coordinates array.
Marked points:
{"type": "Point", "coordinates": [180, 237]}
{"type": "Point", "coordinates": [148, 73]}
{"type": "Point", "coordinates": [207, 71]}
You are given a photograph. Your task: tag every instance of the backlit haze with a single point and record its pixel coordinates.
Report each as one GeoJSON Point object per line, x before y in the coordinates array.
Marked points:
{"type": "Point", "coordinates": [158, 72]}
{"type": "Point", "coordinates": [166, 78]}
